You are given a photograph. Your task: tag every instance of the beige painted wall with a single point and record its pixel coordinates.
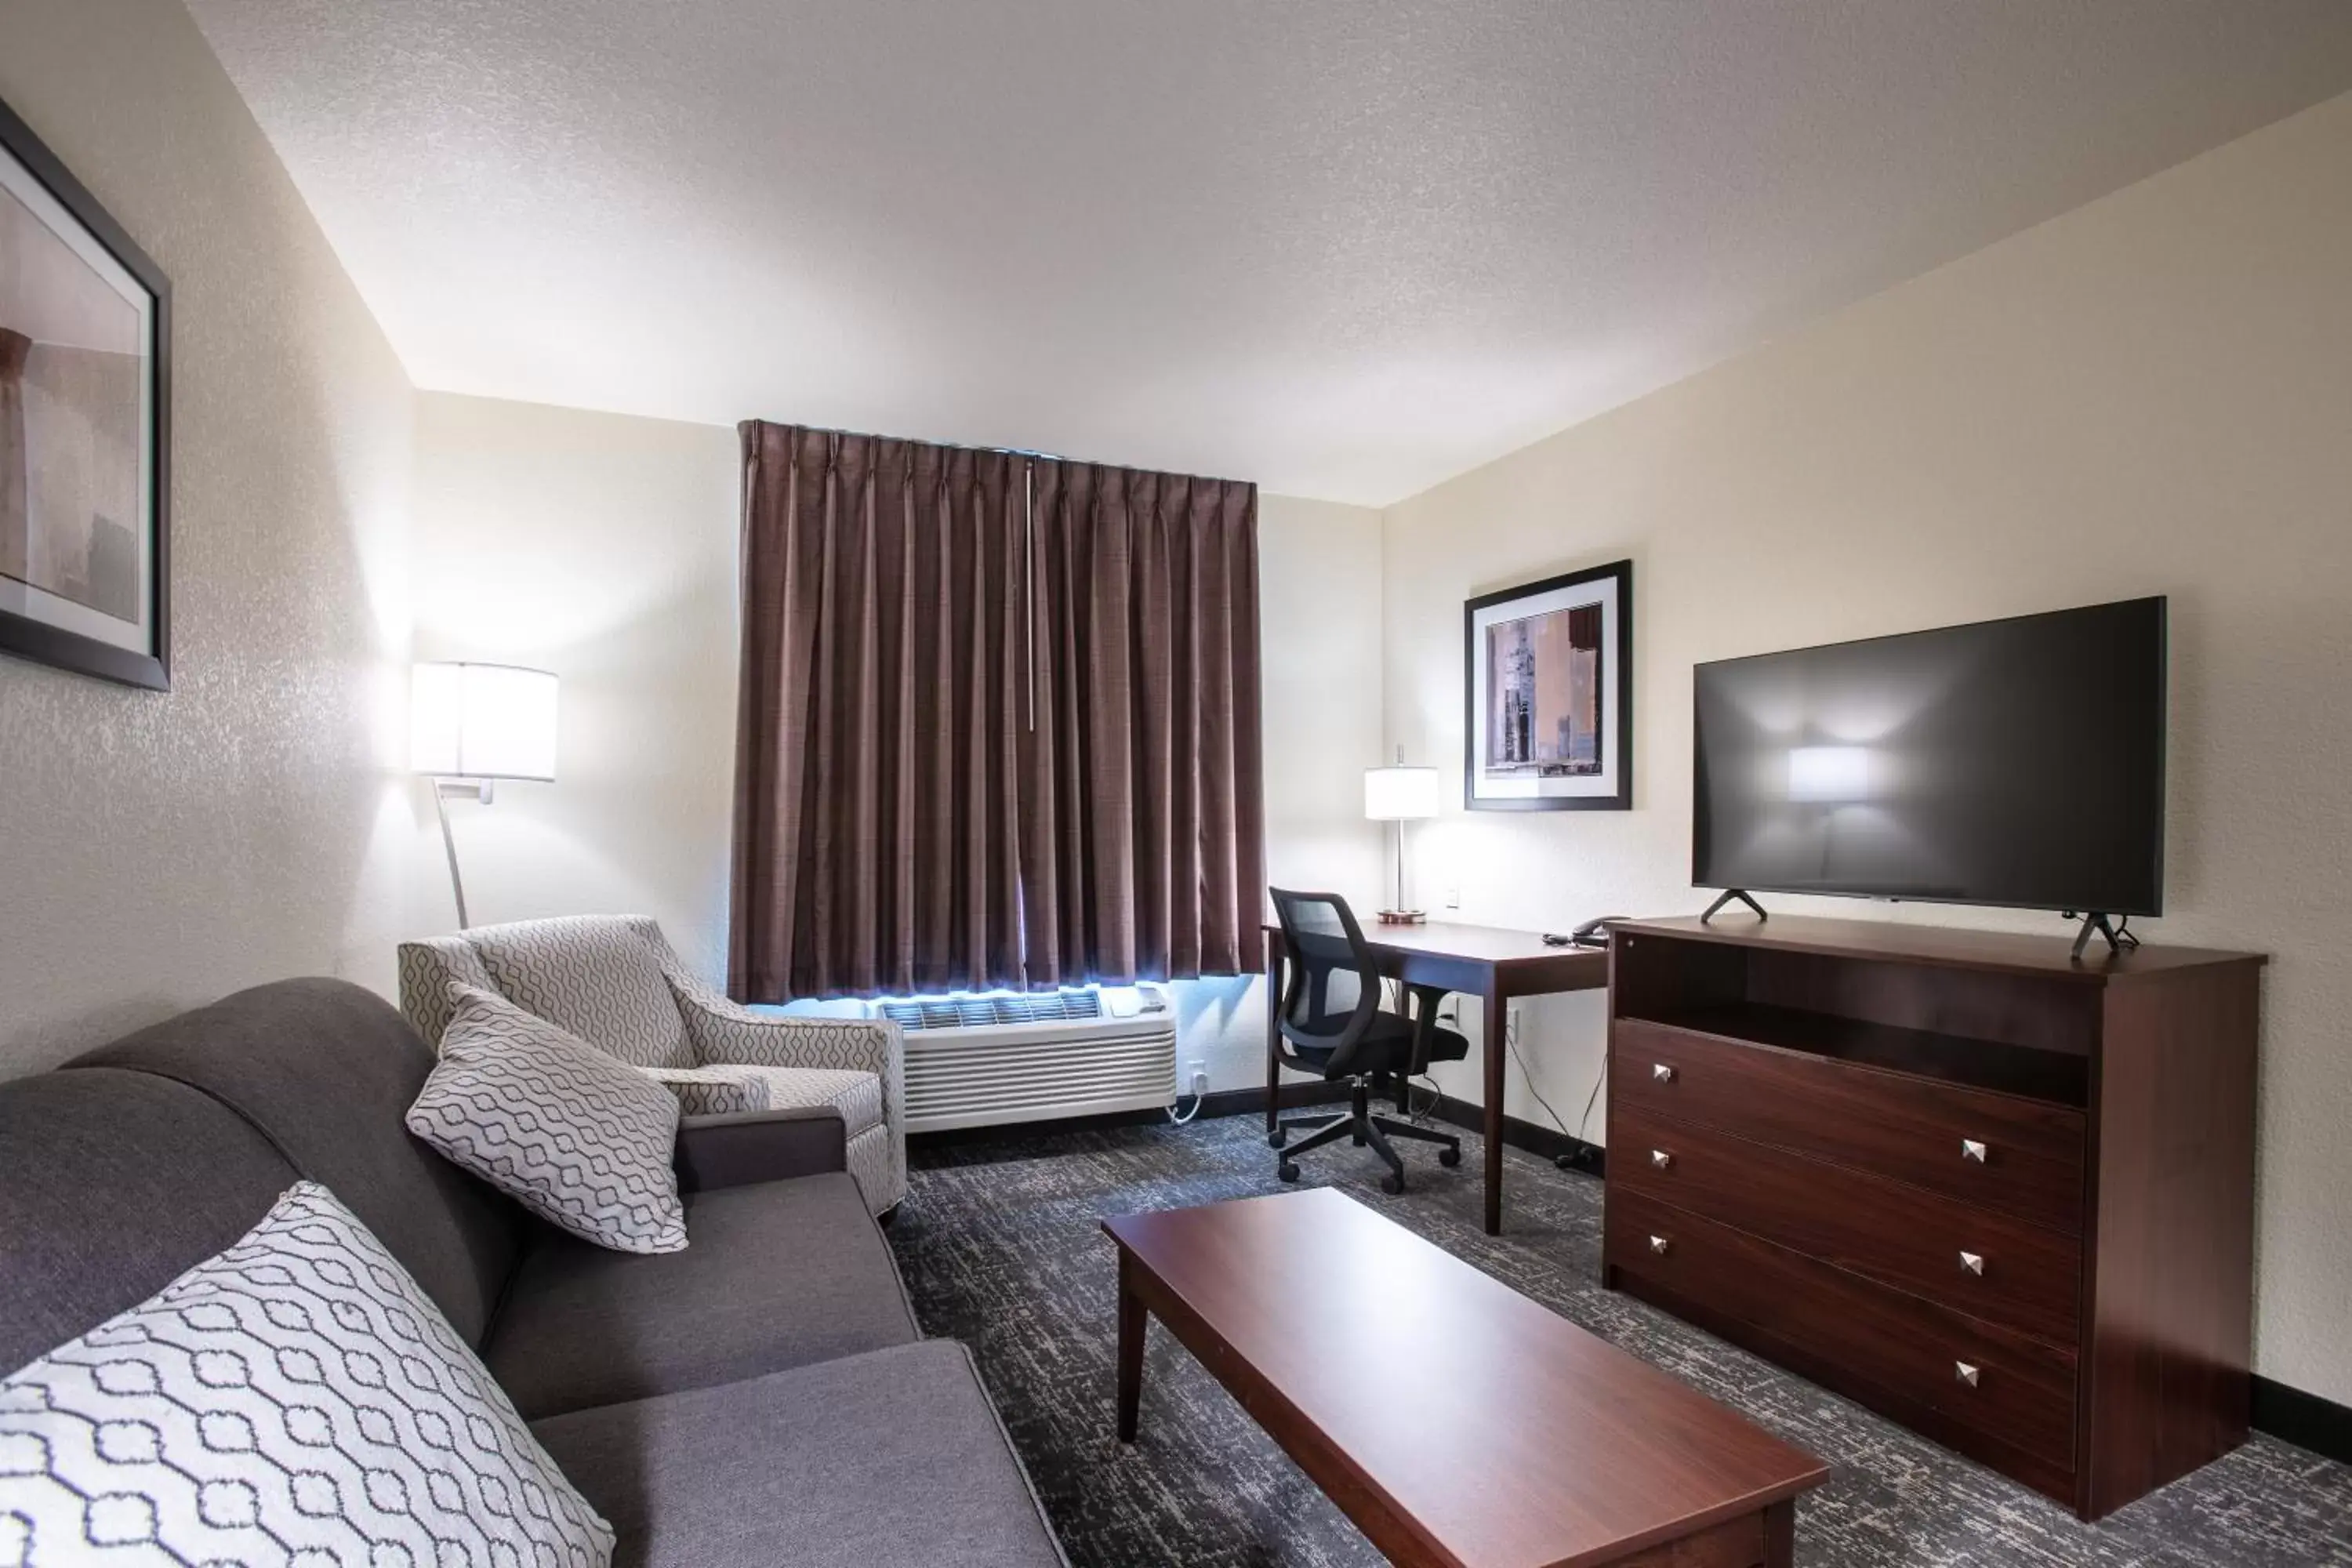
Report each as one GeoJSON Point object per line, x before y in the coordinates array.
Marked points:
{"type": "Point", "coordinates": [604, 548]}
{"type": "Point", "coordinates": [2151, 395]}
{"type": "Point", "coordinates": [160, 850]}
{"type": "Point", "coordinates": [601, 547]}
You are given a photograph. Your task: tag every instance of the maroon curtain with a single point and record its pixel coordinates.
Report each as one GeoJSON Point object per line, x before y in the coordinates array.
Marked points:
{"type": "Point", "coordinates": [1147, 664]}
{"type": "Point", "coordinates": [998, 724]}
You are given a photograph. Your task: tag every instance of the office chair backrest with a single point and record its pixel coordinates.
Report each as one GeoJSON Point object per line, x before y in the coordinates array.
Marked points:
{"type": "Point", "coordinates": [1323, 939]}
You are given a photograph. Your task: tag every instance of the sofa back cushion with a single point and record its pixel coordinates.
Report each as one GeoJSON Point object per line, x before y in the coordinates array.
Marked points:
{"type": "Point", "coordinates": [596, 976]}
{"type": "Point", "coordinates": [116, 1183]}
{"type": "Point", "coordinates": [325, 1071]}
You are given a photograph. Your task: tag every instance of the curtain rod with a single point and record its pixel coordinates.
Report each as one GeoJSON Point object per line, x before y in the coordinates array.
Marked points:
{"type": "Point", "coordinates": [953, 446]}
{"type": "Point", "coordinates": [1007, 451]}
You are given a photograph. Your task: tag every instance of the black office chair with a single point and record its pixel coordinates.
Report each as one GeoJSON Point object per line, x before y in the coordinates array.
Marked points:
{"type": "Point", "coordinates": [1323, 941]}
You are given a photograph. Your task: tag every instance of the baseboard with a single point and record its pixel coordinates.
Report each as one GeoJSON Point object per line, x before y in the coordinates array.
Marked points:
{"type": "Point", "coordinates": [1295, 1096]}
{"type": "Point", "coordinates": [1215, 1103]}
{"type": "Point", "coordinates": [1569, 1152]}
{"type": "Point", "coordinates": [1548, 1143]}
{"type": "Point", "coordinates": [2305, 1420]}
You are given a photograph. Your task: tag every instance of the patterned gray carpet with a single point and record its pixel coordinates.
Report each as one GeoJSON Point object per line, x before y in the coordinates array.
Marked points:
{"type": "Point", "coordinates": [1001, 1248]}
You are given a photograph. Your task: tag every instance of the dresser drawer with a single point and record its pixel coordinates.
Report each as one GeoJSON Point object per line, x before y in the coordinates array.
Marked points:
{"type": "Point", "coordinates": [2014, 1389]}
{"type": "Point", "coordinates": [2001, 1152]}
{"type": "Point", "coordinates": [1974, 1260]}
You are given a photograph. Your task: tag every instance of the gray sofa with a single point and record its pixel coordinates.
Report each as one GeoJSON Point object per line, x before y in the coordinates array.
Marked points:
{"type": "Point", "coordinates": [762, 1397]}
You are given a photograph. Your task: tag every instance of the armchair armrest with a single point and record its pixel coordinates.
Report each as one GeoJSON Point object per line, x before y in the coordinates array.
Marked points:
{"type": "Point", "coordinates": [712, 1092]}
{"type": "Point", "coordinates": [726, 1035]}
{"type": "Point", "coordinates": [759, 1146]}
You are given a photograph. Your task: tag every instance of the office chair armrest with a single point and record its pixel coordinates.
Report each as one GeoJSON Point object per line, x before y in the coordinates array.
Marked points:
{"type": "Point", "coordinates": [1424, 1000]}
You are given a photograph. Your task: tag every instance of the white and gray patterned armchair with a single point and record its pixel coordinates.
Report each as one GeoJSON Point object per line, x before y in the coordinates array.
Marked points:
{"type": "Point", "coordinates": [614, 981]}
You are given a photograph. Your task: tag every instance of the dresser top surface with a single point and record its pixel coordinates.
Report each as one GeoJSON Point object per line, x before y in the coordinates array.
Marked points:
{"type": "Point", "coordinates": [2006, 952]}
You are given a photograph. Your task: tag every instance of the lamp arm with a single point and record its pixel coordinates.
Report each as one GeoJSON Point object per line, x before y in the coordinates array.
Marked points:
{"type": "Point", "coordinates": [457, 883]}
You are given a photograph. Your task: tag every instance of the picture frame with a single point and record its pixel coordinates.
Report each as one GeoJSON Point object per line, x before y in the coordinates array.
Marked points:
{"type": "Point", "coordinates": [1548, 694]}
{"type": "Point", "coordinates": [85, 428]}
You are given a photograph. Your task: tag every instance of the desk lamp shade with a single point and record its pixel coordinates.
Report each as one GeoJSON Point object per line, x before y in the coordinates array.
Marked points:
{"type": "Point", "coordinates": [1399, 793]}
{"type": "Point", "coordinates": [482, 721]}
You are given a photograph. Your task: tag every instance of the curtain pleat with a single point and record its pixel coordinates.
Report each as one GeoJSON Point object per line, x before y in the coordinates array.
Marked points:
{"type": "Point", "coordinates": [999, 721]}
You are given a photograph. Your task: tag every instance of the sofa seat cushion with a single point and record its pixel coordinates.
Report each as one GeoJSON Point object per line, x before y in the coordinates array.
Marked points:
{"type": "Point", "coordinates": [891, 1459]}
{"type": "Point", "coordinates": [781, 1274]}
{"type": "Point", "coordinates": [856, 1095]}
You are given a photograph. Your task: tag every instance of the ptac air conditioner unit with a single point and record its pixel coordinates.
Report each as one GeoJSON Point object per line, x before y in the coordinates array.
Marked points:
{"type": "Point", "coordinates": [984, 1058]}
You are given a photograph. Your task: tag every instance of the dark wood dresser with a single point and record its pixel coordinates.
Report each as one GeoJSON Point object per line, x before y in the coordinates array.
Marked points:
{"type": "Point", "coordinates": [2002, 1197]}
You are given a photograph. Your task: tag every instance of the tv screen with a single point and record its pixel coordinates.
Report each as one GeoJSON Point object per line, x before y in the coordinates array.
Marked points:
{"type": "Point", "coordinates": [2018, 763]}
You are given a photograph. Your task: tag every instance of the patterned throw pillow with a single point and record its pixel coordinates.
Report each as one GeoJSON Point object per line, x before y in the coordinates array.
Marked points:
{"type": "Point", "coordinates": [295, 1399]}
{"type": "Point", "coordinates": [580, 1140]}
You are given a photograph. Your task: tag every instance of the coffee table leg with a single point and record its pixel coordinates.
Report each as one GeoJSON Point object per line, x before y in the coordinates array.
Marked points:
{"type": "Point", "coordinates": [1781, 1534]}
{"type": "Point", "coordinates": [1130, 1350]}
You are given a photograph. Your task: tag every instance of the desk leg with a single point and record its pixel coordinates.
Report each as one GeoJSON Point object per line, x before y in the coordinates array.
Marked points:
{"type": "Point", "coordinates": [1131, 1320]}
{"type": "Point", "coordinates": [1781, 1534]}
{"type": "Point", "coordinates": [1495, 1015]}
{"type": "Point", "coordinates": [1272, 1039]}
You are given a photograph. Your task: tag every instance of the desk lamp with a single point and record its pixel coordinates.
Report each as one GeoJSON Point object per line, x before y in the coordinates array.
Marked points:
{"type": "Point", "coordinates": [1400, 795]}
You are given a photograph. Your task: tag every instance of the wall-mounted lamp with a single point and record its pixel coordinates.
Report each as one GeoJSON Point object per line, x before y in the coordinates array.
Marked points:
{"type": "Point", "coordinates": [471, 724]}
{"type": "Point", "coordinates": [1400, 795]}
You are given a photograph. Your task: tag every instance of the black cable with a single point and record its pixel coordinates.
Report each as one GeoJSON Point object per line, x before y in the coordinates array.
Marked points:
{"type": "Point", "coordinates": [1594, 1098]}
{"type": "Point", "coordinates": [1511, 1040]}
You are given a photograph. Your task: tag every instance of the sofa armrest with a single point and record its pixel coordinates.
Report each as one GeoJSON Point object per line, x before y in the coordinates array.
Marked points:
{"type": "Point", "coordinates": [759, 1146]}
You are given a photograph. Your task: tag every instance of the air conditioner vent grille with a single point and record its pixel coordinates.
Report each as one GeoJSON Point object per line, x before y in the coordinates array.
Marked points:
{"type": "Point", "coordinates": [978, 1012]}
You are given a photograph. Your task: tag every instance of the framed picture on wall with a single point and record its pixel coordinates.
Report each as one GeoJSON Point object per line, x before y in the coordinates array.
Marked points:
{"type": "Point", "coordinates": [1548, 688]}
{"type": "Point", "coordinates": [85, 428]}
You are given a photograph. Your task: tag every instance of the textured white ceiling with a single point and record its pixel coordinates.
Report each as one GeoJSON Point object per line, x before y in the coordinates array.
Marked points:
{"type": "Point", "coordinates": [1344, 248]}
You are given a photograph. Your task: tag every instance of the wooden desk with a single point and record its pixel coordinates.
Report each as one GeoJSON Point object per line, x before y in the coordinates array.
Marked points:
{"type": "Point", "coordinates": [1457, 1423]}
{"type": "Point", "coordinates": [1486, 962]}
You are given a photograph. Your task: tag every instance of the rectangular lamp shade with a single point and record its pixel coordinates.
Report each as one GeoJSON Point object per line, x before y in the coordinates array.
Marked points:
{"type": "Point", "coordinates": [482, 721]}
{"type": "Point", "coordinates": [1399, 793]}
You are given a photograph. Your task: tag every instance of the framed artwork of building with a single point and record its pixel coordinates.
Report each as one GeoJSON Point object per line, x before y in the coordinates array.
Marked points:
{"type": "Point", "coordinates": [1549, 693]}
{"type": "Point", "coordinates": [85, 428]}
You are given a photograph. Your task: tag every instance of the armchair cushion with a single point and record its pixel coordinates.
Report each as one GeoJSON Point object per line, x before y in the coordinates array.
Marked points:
{"type": "Point", "coordinates": [599, 978]}
{"type": "Point", "coordinates": [575, 1137]}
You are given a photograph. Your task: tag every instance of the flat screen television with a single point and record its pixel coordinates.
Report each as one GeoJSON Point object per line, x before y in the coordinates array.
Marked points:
{"type": "Point", "coordinates": [2018, 763]}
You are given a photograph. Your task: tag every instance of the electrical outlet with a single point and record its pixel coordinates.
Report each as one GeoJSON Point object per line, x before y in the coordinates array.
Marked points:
{"type": "Point", "coordinates": [1197, 1074]}
{"type": "Point", "coordinates": [1453, 898]}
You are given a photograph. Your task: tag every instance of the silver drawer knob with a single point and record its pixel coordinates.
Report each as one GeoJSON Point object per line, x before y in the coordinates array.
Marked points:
{"type": "Point", "coordinates": [1966, 1372]}
{"type": "Point", "coordinates": [1663, 1073]}
{"type": "Point", "coordinates": [1972, 1261]}
{"type": "Point", "coordinates": [1660, 1159]}
{"type": "Point", "coordinates": [1972, 1150]}
{"type": "Point", "coordinates": [1658, 1245]}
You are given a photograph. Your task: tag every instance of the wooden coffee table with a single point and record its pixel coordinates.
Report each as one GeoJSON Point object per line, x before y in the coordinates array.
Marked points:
{"type": "Point", "coordinates": [1455, 1420]}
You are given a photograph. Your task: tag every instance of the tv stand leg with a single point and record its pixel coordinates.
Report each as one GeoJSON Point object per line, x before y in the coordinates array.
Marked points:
{"type": "Point", "coordinates": [2119, 938]}
{"type": "Point", "coordinates": [1728, 896]}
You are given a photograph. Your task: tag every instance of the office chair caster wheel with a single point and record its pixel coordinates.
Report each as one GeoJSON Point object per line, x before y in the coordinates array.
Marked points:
{"type": "Point", "coordinates": [1286, 1170]}
{"type": "Point", "coordinates": [1392, 1184]}
{"type": "Point", "coordinates": [1278, 1138]}
{"type": "Point", "coordinates": [1449, 1157]}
